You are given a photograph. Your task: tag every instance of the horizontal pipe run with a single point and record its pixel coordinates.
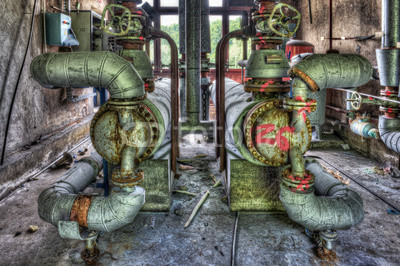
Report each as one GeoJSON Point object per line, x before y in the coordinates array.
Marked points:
{"type": "Point", "coordinates": [321, 71]}
{"type": "Point", "coordinates": [88, 69]}
{"type": "Point", "coordinates": [369, 95]}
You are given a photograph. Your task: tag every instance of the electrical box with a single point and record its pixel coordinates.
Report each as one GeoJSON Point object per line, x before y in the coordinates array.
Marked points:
{"type": "Point", "coordinates": [86, 25]}
{"type": "Point", "coordinates": [59, 31]}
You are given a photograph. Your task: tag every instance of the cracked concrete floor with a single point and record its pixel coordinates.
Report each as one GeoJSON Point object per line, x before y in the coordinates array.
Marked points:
{"type": "Point", "coordinates": [160, 238]}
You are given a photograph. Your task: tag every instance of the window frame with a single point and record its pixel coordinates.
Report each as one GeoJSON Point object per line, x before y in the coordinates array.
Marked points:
{"type": "Point", "coordinates": [225, 11]}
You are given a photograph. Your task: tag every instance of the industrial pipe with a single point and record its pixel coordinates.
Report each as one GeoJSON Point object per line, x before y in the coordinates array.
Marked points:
{"type": "Point", "coordinates": [321, 71]}
{"type": "Point", "coordinates": [389, 131]}
{"type": "Point", "coordinates": [193, 62]}
{"type": "Point", "coordinates": [390, 23]}
{"type": "Point", "coordinates": [61, 202]}
{"type": "Point", "coordinates": [220, 94]}
{"type": "Point", "coordinates": [329, 204]}
{"type": "Point", "coordinates": [174, 95]}
{"type": "Point", "coordinates": [88, 69]}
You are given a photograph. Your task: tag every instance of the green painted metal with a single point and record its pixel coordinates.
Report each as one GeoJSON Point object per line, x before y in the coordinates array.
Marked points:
{"type": "Point", "coordinates": [335, 70]}
{"type": "Point", "coordinates": [140, 60]}
{"type": "Point", "coordinates": [252, 187]}
{"type": "Point", "coordinates": [390, 23]}
{"type": "Point", "coordinates": [389, 66]}
{"type": "Point", "coordinates": [87, 69]}
{"type": "Point", "coordinates": [330, 204]}
{"type": "Point", "coordinates": [55, 203]}
{"type": "Point", "coordinates": [267, 64]}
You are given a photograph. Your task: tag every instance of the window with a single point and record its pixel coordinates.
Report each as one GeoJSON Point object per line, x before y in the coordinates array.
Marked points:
{"type": "Point", "coordinates": [235, 45]}
{"type": "Point", "coordinates": [216, 3]}
{"type": "Point", "coordinates": [165, 3]}
{"type": "Point", "coordinates": [215, 34]}
{"type": "Point", "coordinates": [169, 24]}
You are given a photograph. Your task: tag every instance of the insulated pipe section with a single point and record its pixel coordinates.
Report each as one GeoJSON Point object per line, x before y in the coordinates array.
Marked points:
{"type": "Point", "coordinates": [388, 57]}
{"type": "Point", "coordinates": [332, 206]}
{"type": "Point", "coordinates": [390, 23]}
{"type": "Point", "coordinates": [55, 203]}
{"type": "Point", "coordinates": [119, 209]}
{"type": "Point", "coordinates": [236, 108]}
{"type": "Point", "coordinates": [321, 71]}
{"type": "Point", "coordinates": [193, 62]}
{"type": "Point", "coordinates": [104, 214]}
{"type": "Point", "coordinates": [389, 131]}
{"type": "Point", "coordinates": [88, 69]}
{"type": "Point", "coordinates": [159, 101]}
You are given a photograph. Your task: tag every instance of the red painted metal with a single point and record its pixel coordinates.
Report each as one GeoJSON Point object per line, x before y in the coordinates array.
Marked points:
{"type": "Point", "coordinates": [296, 47]}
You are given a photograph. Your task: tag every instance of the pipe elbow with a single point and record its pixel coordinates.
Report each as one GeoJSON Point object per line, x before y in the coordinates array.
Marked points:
{"type": "Point", "coordinates": [88, 69]}
{"type": "Point", "coordinates": [118, 210]}
{"type": "Point", "coordinates": [389, 131]}
{"type": "Point", "coordinates": [321, 71]}
{"type": "Point", "coordinates": [55, 205]}
{"type": "Point", "coordinates": [322, 213]}
{"type": "Point", "coordinates": [55, 202]}
{"type": "Point", "coordinates": [331, 205]}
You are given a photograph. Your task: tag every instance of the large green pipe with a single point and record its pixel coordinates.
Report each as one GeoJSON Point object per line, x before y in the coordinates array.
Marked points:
{"type": "Point", "coordinates": [104, 214]}
{"type": "Point", "coordinates": [88, 69]}
{"type": "Point", "coordinates": [321, 71]}
{"type": "Point", "coordinates": [330, 205]}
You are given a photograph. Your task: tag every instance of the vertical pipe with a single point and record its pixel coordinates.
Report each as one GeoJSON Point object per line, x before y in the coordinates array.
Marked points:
{"type": "Point", "coordinates": [220, 95]}
{"type": "Point", "coordinates": [390, 23]}
{"type": "Point", "coordinates": [330, 24]}
{"type": "Point", "coordinates": [193, 61]}
{"type": "Point", "coordinates": [157, 46]}
{"type": "Point", "coordinates": [182, 26]}
{"type": "Point", "coordinates": [103, 99]}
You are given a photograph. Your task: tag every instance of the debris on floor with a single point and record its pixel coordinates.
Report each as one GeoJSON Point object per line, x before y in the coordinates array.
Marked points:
{"type": "Point", "coordinates": [342, 179]}
{"type": "Point", "coordinates": [197, 208]}
{"type": "Point", "coordinates": [185, 192]}
{"type": "Point", "coordinates": [390, 171]}
{"type": "Point", "coordinates": [345, 146]}
{"type": "Point", "coordinates": [393, 212]}
{"type": "Point", "coordinates": [65, 161]}
{"type": "Point", "coordinates": [186, 167]}
{"type": "Point", "coordinates": [32, 229]}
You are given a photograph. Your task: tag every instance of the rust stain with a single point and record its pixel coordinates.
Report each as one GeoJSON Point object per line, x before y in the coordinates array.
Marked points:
{"type": "Point", "coordinates": [80, 210]}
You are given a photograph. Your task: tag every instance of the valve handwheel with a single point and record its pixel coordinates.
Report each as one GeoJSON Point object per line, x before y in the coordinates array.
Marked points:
{"type": "Point", "coordinates": [120, 24]}
{"type": "Point", "coordinates": [283, 21]}
{"type": "Point", "coordinates": [356, 101]}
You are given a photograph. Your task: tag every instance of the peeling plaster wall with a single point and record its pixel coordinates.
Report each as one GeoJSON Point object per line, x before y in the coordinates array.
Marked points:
{"type": "Point", "coordinates": [37, 111]}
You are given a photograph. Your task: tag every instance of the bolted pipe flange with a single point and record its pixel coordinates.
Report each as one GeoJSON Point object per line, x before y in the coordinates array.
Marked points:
{"type": "Point", "coordinates": [298, 184]}
{"type": "Point", "coordinates": [295, 105]}
{"type": "Point", "coordinates": [268, 135]}
{"type": "Point", "coordinates": [134, 179]}
{"type": "Point", "coordinates": [277, 85]}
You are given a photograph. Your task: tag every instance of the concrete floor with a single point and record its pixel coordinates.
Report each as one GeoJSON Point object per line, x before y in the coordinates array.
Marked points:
{"type": "Point", "coordinates": [160, 238]}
